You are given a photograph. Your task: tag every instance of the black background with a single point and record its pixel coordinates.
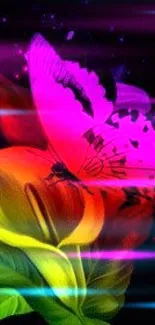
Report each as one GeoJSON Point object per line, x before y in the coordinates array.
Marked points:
{"type": "Point", "coordinates": [99, 28]}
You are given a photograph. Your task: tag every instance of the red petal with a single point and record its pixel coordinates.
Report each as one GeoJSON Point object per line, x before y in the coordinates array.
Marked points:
{"type": "Point", "coordinates": [126, 227]}
{"type": "Point", "coordinates": [19, 122]}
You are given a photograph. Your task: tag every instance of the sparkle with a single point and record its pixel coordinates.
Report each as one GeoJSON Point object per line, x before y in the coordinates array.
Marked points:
{"type": "Point", "coordinates": [111, 28]}
{"type": "Point", "coordinates": [4, 19]}
{"type": "Point", "coordinates": [25, 68]}
{"type": "Point", "coordinates": [70, 35]}
{"type": "Point", "coordinates": [121, 39]}
{"type": "Point", "coordinates": [20, 52]}
{"type": "Point", "coordinates": [17, 76]}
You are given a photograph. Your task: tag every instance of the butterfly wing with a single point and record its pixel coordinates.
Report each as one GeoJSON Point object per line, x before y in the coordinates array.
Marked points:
{"type": "Point", "coordinates": [132, 97]}
{"type": "Point", "coordinates": [68, 99]}
{"type": "Point", "coordinates": [98, 152]}
{"type": "Point", "coordinates": [123, 155]}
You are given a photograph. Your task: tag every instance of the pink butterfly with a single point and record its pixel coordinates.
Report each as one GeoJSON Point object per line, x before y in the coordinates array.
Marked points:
{"type": "Point", "coordinates": [74, 111]}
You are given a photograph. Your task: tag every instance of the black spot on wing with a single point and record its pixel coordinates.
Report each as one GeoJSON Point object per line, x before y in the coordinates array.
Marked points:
{"type": "Point", "coordinates": [134, 115]}
{"type": "Point", "coordinates": [96, 140]}
{"type": "Point", "coordinates": [131, 197]}
{"type": "Point", "coordinates": [122, 161]}
{"type": "Point", "coordinates": [110, 122]}
{"type": "Point", "coordinates": [89, 136]}
{"type": "Point", "coordinates": [134, 143]}
{"type": "Point", "coordinates": [98, 144]}
{"type": "Point", "coordinates": [145, 129]}
{"type": "Point", "coordinates": [123, 112]}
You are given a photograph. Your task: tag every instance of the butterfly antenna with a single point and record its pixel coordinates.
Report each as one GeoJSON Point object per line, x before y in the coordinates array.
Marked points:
{"type": "Point", "coordinates": [53, 152]}
{"type": "Point", "coordinates": [30, 151]}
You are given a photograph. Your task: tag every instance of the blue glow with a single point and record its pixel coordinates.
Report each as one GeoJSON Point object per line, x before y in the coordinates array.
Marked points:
{"type": "Point", "coordinates": [42, 292]}
{"type": "Point", "coordinates": [141, 305]}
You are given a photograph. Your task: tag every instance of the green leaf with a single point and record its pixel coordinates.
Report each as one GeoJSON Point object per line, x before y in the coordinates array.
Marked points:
{"type": "Point", "coordinates": [82, 321]}
{"type": "Point", "coordinates": [78, 270]}
{"type": "Point", "coordinates": [17, 271]}
{"type": "Point", "coordinates": [110, 287]}
{"type": "Point", "coordinates": [53, 264]}
{"type": "Point", "coordinates": [57, 272]}
{"type": "Point", "coordinates": [93, 321]}
{"type": "Point", "coordinates": [13, 304]}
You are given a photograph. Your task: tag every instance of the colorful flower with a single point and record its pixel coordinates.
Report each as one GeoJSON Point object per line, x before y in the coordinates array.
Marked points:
{"type": "Point", "coordinates": [72, 181]}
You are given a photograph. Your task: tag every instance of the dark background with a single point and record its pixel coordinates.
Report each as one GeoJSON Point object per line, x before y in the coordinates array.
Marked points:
{"type": "Point", "coordinates": [115, 39]}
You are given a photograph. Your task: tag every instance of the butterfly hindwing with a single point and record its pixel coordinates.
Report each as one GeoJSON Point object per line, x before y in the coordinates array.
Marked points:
{"type": "Point", "coordinates": [118, 154]}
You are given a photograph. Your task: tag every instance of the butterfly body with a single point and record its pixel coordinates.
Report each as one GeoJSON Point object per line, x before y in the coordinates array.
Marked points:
{"type": "Point", "coordinates": [59, 170]}
{"type": "Point", "coordinates": [63, 174]}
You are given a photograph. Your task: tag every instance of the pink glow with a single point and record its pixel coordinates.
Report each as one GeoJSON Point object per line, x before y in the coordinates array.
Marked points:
{"type": "Point", "coordinates": [25, 68]}
{"type": "Point", "coordinates": [17, 76]}
{"type": "Point", "coordinates": [115, 255]}
{"type": "Point", "coordinates": [20, 51]}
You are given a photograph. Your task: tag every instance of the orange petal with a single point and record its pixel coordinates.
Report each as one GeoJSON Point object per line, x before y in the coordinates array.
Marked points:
{"type": "Point", "coordinates": [92, 222]}
{"type": "Point", "coordinates": [29, 202]}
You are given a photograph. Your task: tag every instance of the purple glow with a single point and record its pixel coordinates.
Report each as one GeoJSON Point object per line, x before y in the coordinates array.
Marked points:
{"type": "Point", "coordinates": [121, 39]}
{"type": "Point", "coordinates": [115, 255]}
{"type": "Point", "coordinates": [70, 35]}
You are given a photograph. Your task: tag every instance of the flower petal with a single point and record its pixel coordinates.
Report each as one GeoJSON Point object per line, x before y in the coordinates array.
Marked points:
{"type": "Point", "coordinates": [18, 118]}
{"type": "Point", "coordinates": [91, 223]}
{"type": "Point", "coordinates": [29, 204]}
{"type": "Point", "coordinates": [128, 220]}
